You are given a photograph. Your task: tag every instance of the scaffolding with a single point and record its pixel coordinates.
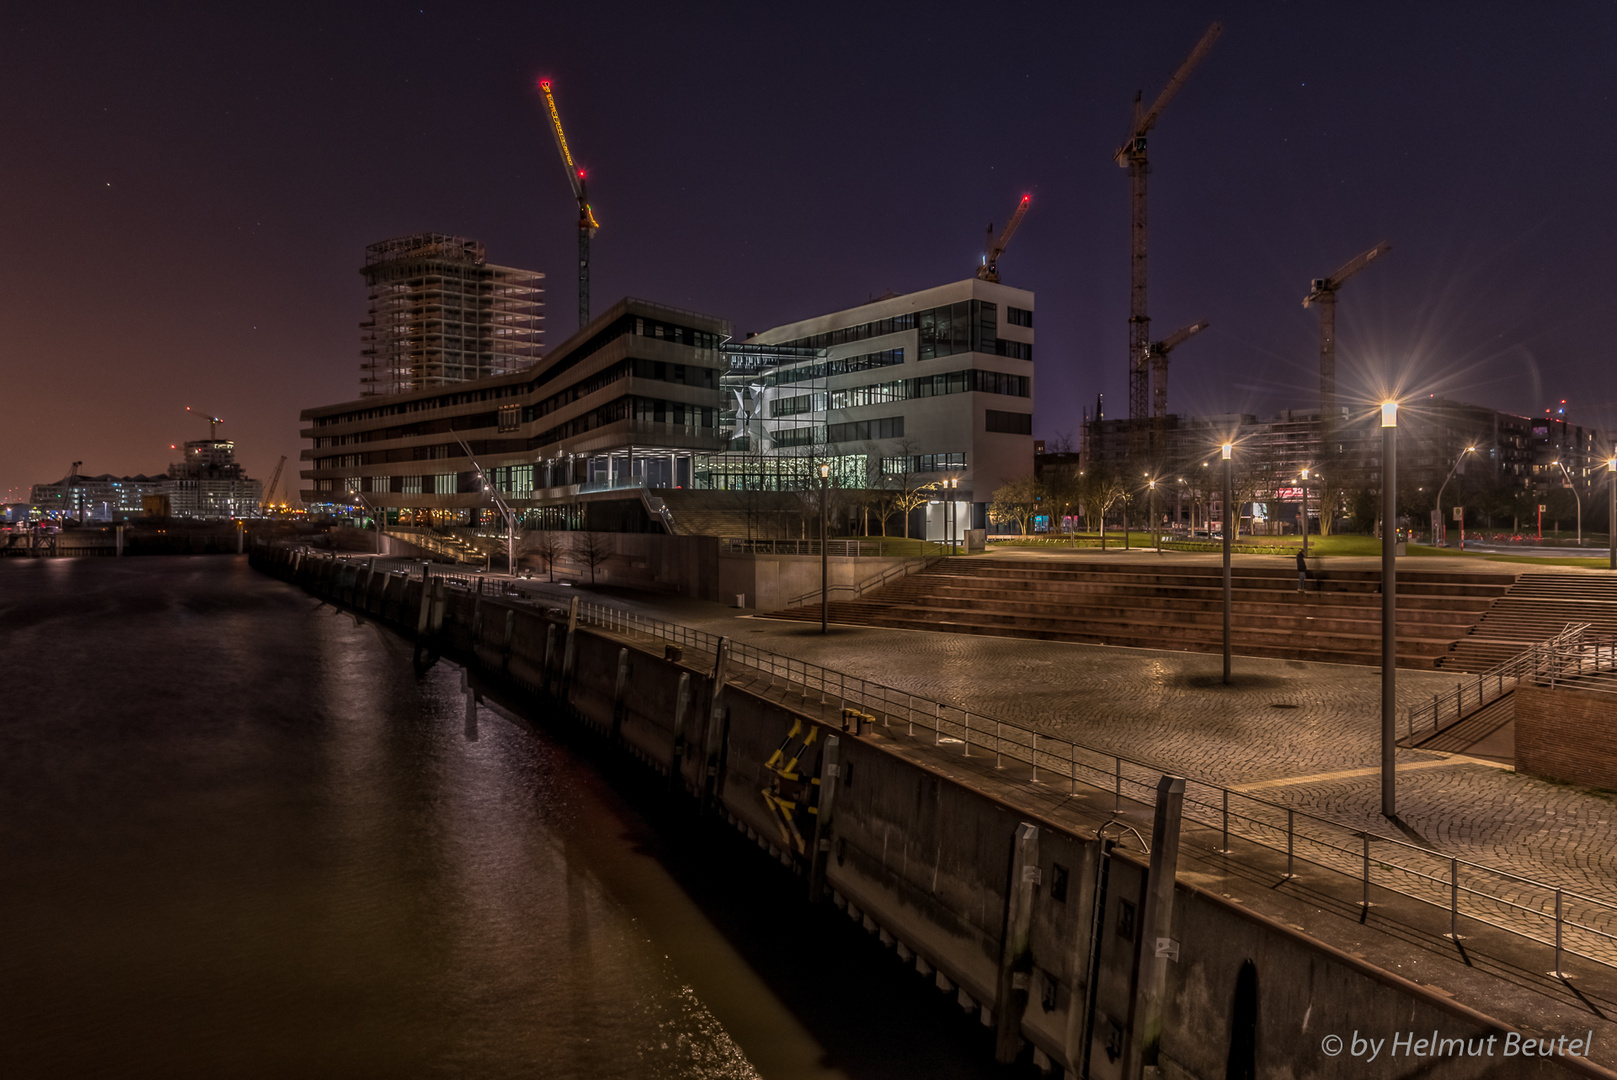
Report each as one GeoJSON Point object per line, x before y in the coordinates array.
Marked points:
{"type": "Point", "coordinates": [440, 313]}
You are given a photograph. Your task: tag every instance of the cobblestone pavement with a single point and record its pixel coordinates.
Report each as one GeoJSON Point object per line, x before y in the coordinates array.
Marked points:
{"type": "Point", "coordinates": [1279, 720]}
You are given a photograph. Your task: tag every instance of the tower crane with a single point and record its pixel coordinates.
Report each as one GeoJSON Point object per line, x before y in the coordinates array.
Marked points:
{"type": "Point", "coordinates": [1156, 359]}
{"type": "Point", "coordinates": [1323, 293]}
{"type": "Point", "coordinates": [269, 493]}
{"type": "Point", "coordinates": [1132, 156]}
{"type": "Point", "coordinates": [213, 423]}
{"type": "Point", "coordinates": [989, 270]}
{"type": "Point", "coordinates": [586, 217]}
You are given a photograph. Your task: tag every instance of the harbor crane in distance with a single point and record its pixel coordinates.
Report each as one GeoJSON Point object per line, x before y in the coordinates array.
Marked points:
{"type": "Point", "coordinates": [1132, 156]}
{"type": "Point", "coordinates": [989, 270]}
{"type": "Point", "coordinates": [269, 492]}
{"type": "Point", "coordinates": [586, 217]}
{"type": "Point", "coordinates": [1323, 293]}
{"type": "Point", "coordinates": [213, 423]}
{"type": "Point", "coordinates": [1157, 359]}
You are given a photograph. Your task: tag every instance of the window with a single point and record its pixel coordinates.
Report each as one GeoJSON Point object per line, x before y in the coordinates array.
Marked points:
{"type": "Point", "coordinates": [1008, 423]}
{"type": "Point", "coordinates": [410, 485]}
{"type": "Point", "coordinates": [510, 417]}
{"type": "Point", "coordinates": [1016, 350]}
{"type": "Point", "coordinates": [1018, 317]}
{"type": "Point", "coordinates": [444, 484]}
{"type": "Point", "coordinates": [888, 427]}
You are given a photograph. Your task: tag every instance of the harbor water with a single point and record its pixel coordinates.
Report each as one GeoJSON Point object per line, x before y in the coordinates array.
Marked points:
{"type": "Point", "coordinates": [241, 836]}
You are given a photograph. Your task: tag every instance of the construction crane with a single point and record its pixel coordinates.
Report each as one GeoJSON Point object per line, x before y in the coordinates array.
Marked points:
{"type": "Point", "coordinates": [1323, 293]}
{"type": "Point", "coordinates": [1157, 360]}
{"type": "Point", "coordinates": [269, 493]}
{"type": "Point", "coordinates": [989, 270]}
{"type": "Point", "coordinates": [1132, 156]}
{"type": "Point", "coordinates": [213, 423]}
{"type": "Point", "coordinates": [586, 217]}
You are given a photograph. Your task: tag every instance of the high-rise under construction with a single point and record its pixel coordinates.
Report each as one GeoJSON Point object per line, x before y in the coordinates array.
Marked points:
{"type": "Point", "coordinates": [440, 313]}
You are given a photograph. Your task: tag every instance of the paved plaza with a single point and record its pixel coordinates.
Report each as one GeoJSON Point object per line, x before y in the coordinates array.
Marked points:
{"type": "Point", "coordinates": [1306, 735]}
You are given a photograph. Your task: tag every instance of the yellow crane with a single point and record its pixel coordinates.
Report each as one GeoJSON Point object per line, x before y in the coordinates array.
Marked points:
{"type": "Point", "coordinates": [268, 500]}
{"type": "Point", "coordinates": [989, 270]}
{"type": "Point", "coordinates": [586, 217]}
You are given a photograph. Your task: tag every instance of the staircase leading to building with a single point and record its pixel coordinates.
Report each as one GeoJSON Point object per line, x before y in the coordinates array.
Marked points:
{"type": "Point", "coordinates": [1535, 609]}
{"type": "Point", "coordinates": [1180, 607]}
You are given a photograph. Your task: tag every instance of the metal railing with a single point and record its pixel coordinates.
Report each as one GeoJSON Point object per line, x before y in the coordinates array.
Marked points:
{"type": "Point", "coordinates": [855, 548]}
{"type": "Point", "coordinates": [1447, 709]}
{"type": "Point", "coordinates": [1567, 921]}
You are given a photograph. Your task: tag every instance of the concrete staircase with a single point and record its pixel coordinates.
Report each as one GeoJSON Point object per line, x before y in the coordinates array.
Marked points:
{"type": "Point", "coordinates": [1179, 607]}
{"type": "Point", "coordinates": [1536, 608]}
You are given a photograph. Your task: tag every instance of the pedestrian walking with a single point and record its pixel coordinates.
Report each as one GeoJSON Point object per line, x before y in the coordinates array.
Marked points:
{"type": "Point", "coordinates": [1302, 571]}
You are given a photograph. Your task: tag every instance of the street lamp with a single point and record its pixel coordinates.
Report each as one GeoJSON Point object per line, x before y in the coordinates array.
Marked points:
{"type": "Point", "coordinates": [949, 513]}
{"type": "Point", "coordinates": [1611, 500]}
{"type": "Point", "coordinates": [1152, 510]}
{"type": "Point", "coordinates": [1389, 606]}
{"type": "Point", "coordinates": [1305, 513]}
{"type": "Point", "coordinates": [1227, 451]}
{"type": "Point", "coordinates": [825, 566]}
{"type": "Point", "coordinates": [1440, 522]}
{"type": "Point", "coordinates": [1573, 485]}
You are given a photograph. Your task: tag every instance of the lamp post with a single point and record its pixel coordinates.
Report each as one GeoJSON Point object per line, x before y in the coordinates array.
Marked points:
{"type": "Point", "coordinates": [1305, 513]}
{"type": "Point", "coordinates": [1179, 504]}
{"type": "Point", "coordinates": [1389, 607]}
{"type": "Point", "coordinates": [950, 514]}
{"type": "Point", "coordinates": [1441, 524]}
{"type": "Point", "coordinates": [1573, 485]}
{"type": "Point", "coordinates": [825, 564]}
{"type": "Point", "coordinates": [1156, 528]}
{"type": "Point", "coordinates": [1611, 500]}
{"type": "Point", "coordinates": [1227, 451]}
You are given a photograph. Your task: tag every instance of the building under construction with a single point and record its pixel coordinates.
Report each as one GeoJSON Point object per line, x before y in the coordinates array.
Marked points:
{"type": "Point", "coordinates": [440, 313]}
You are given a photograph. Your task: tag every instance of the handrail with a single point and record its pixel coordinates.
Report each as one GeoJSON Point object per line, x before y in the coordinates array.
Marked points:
{"type": "Point", "coordinates": [1449, 709]}
{"type": "Point", "coordinates": [1570, 922]}
{"type": "Point", "coordinates": [903, 569]}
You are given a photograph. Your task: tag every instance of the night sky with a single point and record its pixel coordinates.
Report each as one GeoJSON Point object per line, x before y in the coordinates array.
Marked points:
{"type": "Point", "coordinates": [189, 189]}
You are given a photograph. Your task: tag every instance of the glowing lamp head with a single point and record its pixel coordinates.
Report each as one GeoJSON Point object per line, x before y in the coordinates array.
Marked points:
{"type": "Point", "coordinates": [1226, 451]}
{"type": "Point", "coordinates": [825, 472]}
{"type": "Point", "coordinates": [1389, 414]}
{"type": "Point", "coordinates": [544, 84]}
{"type": "Point", "coordinates": [1305, 474]}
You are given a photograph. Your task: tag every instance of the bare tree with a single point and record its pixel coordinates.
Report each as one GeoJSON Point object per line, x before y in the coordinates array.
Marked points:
{"type": "Point", "coordinates": [590, 548]}
{"type": "Point", "coordinates": [1017, 501]}
{"type": "Point", "coordinates": [548, 546]}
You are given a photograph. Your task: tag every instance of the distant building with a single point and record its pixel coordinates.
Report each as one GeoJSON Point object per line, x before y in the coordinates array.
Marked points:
{"type": "Point", "coordinates": [439, 314]}
{"type": "Point", "coordinates": [209, 483]}
{"type": "Point", "coordinates": [93, 498]}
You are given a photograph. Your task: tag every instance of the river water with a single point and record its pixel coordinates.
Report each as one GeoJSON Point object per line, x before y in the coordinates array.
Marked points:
{"type": "Point", "coordinates": [241, 837]}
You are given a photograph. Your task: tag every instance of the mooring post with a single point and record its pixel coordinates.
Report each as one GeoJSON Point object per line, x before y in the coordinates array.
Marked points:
{"type": "Point", "coordinates": [1157, 943]}
{"type": "Point", "coordinates": [570, 655]}
{"type": "Point", "coordinates": [830, 771]}
{"type": "Point", "coordinates": [676, 757]}
{"type": "Point", "coordinates": [713, 736]}
{"type": "Point", "coordinates": [617, 693]}
{"type": "Point", "coordinates": [1016, 955]}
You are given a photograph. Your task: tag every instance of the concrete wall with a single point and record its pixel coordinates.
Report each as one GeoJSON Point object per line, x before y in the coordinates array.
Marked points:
{"type": "Point", "coordinates": [932, 865]}
{"type": "Point", "coordinates": [1567, 734]}
{"type": "Point", "coordinates": [772, 582]}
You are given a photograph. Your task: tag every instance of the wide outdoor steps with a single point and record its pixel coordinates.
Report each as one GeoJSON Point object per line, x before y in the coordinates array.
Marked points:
{"type": "Point", "coordinates": [1536, 608]}
{"type": "Point", "coordinates": [1179, 607]}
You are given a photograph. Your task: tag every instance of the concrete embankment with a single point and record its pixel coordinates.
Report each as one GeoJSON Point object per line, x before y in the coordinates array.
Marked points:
{"type": "Point", "coordinates": [1037, 929]}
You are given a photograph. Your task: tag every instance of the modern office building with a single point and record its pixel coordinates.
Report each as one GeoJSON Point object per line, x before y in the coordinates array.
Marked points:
{"type": "Point", "coordinates": [905, 390]}
{"type": "Point", "coordinates": [439, 313]}
{"type": "Point", "coordinates": [626, 405]}
{"type": "Point", "coordinates": [932, 385]}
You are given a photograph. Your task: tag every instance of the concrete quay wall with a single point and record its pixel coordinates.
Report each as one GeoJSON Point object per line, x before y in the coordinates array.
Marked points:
{"type": "Point", "coordinates": [993, 904]}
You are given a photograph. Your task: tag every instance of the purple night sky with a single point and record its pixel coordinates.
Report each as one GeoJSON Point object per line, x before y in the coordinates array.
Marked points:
{"type": "Point", "coordinates": [190, 189]}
